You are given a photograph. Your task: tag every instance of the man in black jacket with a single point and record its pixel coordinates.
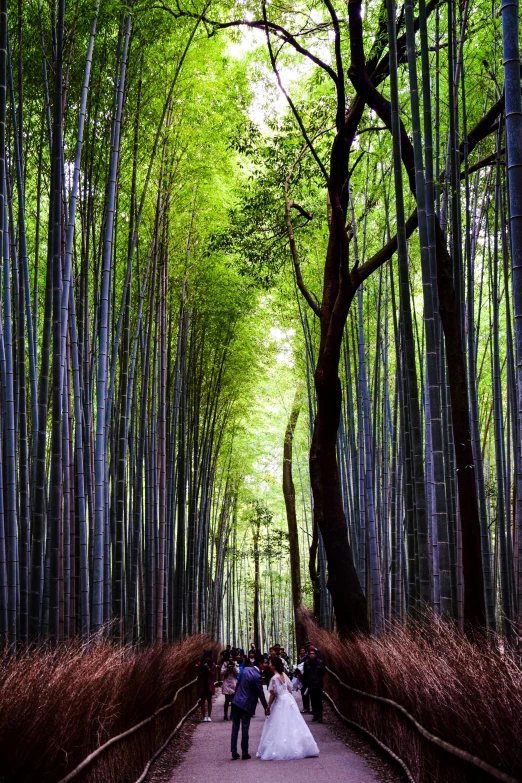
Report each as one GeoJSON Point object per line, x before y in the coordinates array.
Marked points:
{"type": "Point", "coordinates": [313, 674]}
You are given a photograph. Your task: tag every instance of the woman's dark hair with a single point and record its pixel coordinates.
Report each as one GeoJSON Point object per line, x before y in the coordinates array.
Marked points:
{"type": "Point", "coordinates": [206, 654]}
{"type": "Point", "coordinates": [277, 663]}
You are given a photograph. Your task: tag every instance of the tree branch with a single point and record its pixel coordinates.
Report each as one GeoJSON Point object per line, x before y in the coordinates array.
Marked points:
{"type": "Point", "coordinates": [479, 132]}
{"type": "Point", "coordinates": [381, 69]}
{"type": "Point", "coordinates": [360, 274]}
{"type": "Point", "coordinates": [359, 158]}
{"type": "Point", "coordinates": [369, 93]}
{"type": "Point", "coordinates": [290, 101]}
{"type": "Point", "coordinates": [484, 127]}
{"type": "Point", "coordinates": [312, 302]}
{"type": "Point", "coordinates": [481, 164]}
{"type": "Point", "coordinates": [294, 205]}
{"type": "Point", "coordinates": [257, 24]}
{"type": "Point", "coordinates": [341, 97]}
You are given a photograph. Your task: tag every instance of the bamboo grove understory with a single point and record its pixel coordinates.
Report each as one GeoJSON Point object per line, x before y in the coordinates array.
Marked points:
{"type": "Point", "coordinates": [146, 221]}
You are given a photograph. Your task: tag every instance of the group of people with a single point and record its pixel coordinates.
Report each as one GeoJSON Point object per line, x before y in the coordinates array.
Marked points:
{"type": "Point", "coordinates": [310, 671]}
{"type": "Point", "coordinates": [285, 733]}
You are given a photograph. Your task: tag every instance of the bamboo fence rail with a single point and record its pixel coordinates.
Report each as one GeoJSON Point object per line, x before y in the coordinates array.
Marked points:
{"type": "Point", "coordinates": [461, 766]}
{"type": "Point", "coordinates": [88, 761]}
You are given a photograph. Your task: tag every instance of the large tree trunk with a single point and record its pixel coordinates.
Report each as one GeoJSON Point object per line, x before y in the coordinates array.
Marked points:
{"type": "Point", "coordinates": [293, 537]}
{"type": "Point", "coordinates": [348, 599]}
{"type": "Point", "coordinates": [338, 292]}
{"type": "Point", "coordinates": [474, 603]}
{"type": "Point", "coordinates": [474, 599]}
{"type": "Point", "coordinates": [314, 575]}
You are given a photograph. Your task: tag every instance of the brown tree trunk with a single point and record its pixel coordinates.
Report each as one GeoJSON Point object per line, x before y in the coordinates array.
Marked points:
{"type": "Point", "coordinates": [343, 583]}
{"type": "Point", "coordinates": [293, 538]}
{"type": "Point", "coordinates": [339, 288]}
{"type": "Point", "coordinates": [474, 598]}
{"type": "Point", "coordinates": [314, 576]}
{"type": "Point", "coordinates": [338, 292]}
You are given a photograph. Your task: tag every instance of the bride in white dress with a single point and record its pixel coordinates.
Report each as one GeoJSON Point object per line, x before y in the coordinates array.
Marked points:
{"type": "Point", "coordinates": [285, 733]}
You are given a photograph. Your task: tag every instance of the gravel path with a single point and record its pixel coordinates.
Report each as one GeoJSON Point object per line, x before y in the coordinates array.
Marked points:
{"type": "Point", "coordinates": [208, 758]}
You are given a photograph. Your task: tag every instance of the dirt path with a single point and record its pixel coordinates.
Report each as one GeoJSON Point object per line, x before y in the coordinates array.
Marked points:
{"type": "Point", "coordinates": [208, 759]}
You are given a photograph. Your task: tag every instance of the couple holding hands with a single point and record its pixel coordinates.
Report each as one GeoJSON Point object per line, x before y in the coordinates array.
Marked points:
{"type": "Point", "coordinates": [285, 733]}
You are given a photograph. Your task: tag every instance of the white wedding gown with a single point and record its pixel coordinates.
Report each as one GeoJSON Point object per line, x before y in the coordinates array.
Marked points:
{"type": "Point", "coordinates": [285, 733]}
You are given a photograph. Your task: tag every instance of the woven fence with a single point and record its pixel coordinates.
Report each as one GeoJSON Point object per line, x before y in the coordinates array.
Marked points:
{"type": "Point", "coordinates": [423, 757]}
{"type": "Point", "coordinates": [139, 745]}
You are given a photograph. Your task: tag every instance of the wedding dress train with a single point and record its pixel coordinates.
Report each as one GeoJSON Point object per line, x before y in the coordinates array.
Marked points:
{"type": "Point", "coordinates": [285, 732]}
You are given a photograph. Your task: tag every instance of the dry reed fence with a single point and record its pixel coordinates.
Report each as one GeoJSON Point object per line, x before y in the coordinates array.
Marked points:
{"type": "Point", "coordinates": [57, 706]}
{"type": "Point", "coordinates": [468, 695]}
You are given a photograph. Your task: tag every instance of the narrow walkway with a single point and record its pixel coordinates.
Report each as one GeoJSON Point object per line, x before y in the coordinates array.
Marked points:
{"type": "Point", "coordinates": [209, 761]}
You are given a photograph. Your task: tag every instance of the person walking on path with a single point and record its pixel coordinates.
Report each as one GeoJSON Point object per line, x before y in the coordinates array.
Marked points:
{"type": "Point", "coordinates": [248, 691]}
{"type": "Point", "coordinates": [313, 674]}
{"type": "Point", "coordinates": [207, 670]}
{"type": "Point", "coordinates": [229, 675]}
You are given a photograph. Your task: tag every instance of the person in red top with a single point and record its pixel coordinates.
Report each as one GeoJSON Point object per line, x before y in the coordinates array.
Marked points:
{"type": "Point", "coordinates": [207, 672]}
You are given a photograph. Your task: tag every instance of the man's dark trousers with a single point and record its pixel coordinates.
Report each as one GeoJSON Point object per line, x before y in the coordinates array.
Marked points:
{"type": "Point", "coordinates": [242, 717]}
{"type": "Point", "coordinates": [316, 697]}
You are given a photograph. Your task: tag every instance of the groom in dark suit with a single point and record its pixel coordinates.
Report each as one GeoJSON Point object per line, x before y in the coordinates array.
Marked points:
{"type": "Point", "coordinates": [249, 690]}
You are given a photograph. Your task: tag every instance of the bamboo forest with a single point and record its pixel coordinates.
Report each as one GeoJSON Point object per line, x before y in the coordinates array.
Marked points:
{"type": "Point", "coordinates": [260, 381]}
